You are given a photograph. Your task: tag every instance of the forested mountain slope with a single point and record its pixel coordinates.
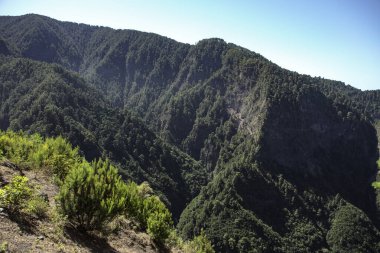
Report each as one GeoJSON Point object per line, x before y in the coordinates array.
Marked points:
{"type": "Point", "coordinates": [47, 99]}
{"type": "Point", "coordinates": [291, 157]}
{"type": "Point", "coordinates": [304, 186]}
{"type": "Point", "coordinates": [193, 91]}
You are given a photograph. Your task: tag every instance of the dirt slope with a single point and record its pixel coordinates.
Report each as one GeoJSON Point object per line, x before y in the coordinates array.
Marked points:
{"type": "Point", "coordinates": [25, 233]}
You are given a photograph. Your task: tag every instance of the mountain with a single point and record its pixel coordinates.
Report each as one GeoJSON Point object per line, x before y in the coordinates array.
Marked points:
{"type": "Point", "coordinates": [156, 76]}
{"type": "Point", "coordinates": [311, 165]}
{"type": "Point", "coordinates": [44, 98]}
{"type": "Point", "coordinates": [290, 157]}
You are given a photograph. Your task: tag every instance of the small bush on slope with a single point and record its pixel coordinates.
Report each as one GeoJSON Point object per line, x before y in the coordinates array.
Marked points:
{"type": "Point", "coordinates": [158, 218]}
{"type": "Point", "coordinates": [15, 147]}
{"type": "Point", "coordinates": [37, 206]}
{"type": "Point", "coordinates": [92, 194]}
{"type": "Point", "coordinates": [54, 155]}
{"type": "Point", "coordinates": [200, 244]}
{"type": "Point", "coordinates": [18, 196]}
{"type": "Point", "coordinates": [148, 210]}
{"type": "Point", "coordinates": [14, 194]}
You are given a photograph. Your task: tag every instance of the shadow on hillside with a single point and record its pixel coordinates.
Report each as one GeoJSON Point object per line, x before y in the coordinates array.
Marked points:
{"type": "Point", "coordinates": [92, 242]}
{"type": "Point", "coordinates": [26, 223]}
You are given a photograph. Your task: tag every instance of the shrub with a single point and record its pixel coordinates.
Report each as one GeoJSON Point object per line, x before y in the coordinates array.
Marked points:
{"type": "Point", "coordinates": [376, 185]}
{"type": "Point", "coordinates": [14, 195]}
{"type": "Point", "coordinates": [144, 190]}
{"type": "Point", "coordinates": [134, 203]}
{"type": "Point", "coordinates": [57, 156]}
{"type": "Point", "coordinates": [17, 147]}
{"type": "Point", "coordinates": [158, 218]}
{"type": "Point", "coordinates": [92, 194]}
{"type": "Point", "coordinates": [54, 155]}
{"type": "Point", "coordinates": [148, 210]}
{"type": "Point", "coordinates": [19, 196]}
{"type": "Point", "coordinates": [200, 244]}
{"type": "Point", "coordinates": [37, 206]}
{"type": "Point", "coordinates": [159, 226]}
{"type": "Point", "coordinates": [174, 240]}
{"type": "Point", "coordinates": [4, 247]}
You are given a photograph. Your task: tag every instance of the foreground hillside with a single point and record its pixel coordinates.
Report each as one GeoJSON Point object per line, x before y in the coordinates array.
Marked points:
{"type": "Point", "coordinates": [52, 200]}
{"type": "Point", "coordinates": [31, 234]}
{"type": "Point", "coordinates": [260, 158]}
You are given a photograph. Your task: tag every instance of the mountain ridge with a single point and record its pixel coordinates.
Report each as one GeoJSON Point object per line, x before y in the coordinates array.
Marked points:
{"type": "Point", "coordinates": [47, 99]}
{"type": "Point", "coordinates": [282, 151]}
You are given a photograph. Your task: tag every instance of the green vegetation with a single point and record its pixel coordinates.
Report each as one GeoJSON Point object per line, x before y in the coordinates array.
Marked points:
{"type": "Point", "coordinates": [159, 225]}
{"type": "Point", "coordinates": [37, 206]}
{"type": "Point", "coordinates": [54, 155]}
{"type": "Point", "coordinates": [200, 244]}
{"type": "Point", "coordinates": [282, 156]}
{"type": "Point", "coordinates": [4, 247]}
{"type": "Point", "coordinates": [376, 185]}
{"type": "Point", "coordinates": [46, 99]}
{"type": "Point", "coordinates": [158, 218]}
{"type": "Point", "coordinates": [14, 195]}
{"type": "Point", "coordinates": [92, 194]}
{"type": "Point", "coordinates": [352, 231]}
{"type": "Point", "coordinates": [18, 196]}
{"type": "Point", "coordinates": [279, 217]}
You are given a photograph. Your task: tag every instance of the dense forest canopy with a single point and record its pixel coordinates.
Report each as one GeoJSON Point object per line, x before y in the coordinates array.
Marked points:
{"type": "Point", "coordinates": [260, 158]}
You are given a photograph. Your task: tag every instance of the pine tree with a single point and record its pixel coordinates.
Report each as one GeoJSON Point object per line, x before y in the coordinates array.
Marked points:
{"type": "Point", "coordinates": [93, 194]}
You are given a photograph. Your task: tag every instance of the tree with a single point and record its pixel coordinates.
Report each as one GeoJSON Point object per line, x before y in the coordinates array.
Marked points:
{"type": "Point", "coordinates": [92, 194]}
{"type": "Point", "coordinates": [352, 231]}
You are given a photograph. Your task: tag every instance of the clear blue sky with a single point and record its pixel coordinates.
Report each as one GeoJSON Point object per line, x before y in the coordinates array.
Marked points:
{"type": "Point", "coordinates": [336, 39]}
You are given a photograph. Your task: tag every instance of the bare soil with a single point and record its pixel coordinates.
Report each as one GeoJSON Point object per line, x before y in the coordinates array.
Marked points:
{"type": "Point", "coordinates": [25, 233]}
